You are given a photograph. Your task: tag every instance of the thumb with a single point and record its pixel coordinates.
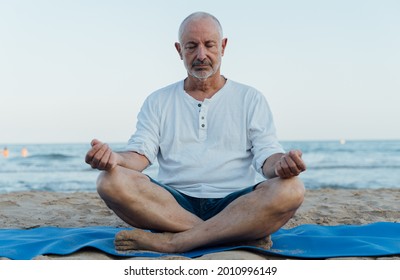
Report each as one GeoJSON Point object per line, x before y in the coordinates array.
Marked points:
{"type": "Point", "coordinates": [94, 142]}
{"type": "Point", "coordinates": [299, 153]}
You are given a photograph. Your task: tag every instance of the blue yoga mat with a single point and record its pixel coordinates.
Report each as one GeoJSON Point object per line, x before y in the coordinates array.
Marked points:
{"type": "Point", "coordinates": [305, 241]}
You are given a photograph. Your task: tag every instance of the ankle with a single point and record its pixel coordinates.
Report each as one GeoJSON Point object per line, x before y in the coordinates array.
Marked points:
{"type": "Point", "coordinates": [176, 243]}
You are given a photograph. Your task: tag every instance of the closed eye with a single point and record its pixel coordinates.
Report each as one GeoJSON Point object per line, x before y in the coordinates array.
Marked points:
{"type": "Point", "coordinates": [190, 46]}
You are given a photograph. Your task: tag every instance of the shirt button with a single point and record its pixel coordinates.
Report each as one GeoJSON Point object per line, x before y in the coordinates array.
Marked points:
{"type": "Point", "coordinates": [202, 118]}
{"type": "Point", "coordinates": [203, 125]}
{"type": "Point", "coordinates": [199, 105]}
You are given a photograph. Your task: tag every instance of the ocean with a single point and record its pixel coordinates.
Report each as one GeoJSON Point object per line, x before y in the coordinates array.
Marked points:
{"type": "Point", "coordinates": [330, 164]}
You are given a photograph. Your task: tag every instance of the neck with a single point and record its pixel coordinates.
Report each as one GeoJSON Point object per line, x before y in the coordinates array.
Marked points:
{"type": "Point", "coordinates": [202, 89]}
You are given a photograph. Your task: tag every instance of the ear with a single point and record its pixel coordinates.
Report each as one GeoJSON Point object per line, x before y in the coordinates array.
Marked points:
{"type": "Point", "coordinates": [224, 43]}
{"type": "Point", "coordinates": [179, 49]}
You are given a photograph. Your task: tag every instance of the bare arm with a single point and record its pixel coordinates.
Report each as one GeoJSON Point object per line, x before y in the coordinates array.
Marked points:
{"type": "Point", "coordinates": [284, 165]}
{"type": "Point", "coordinates": [101, 157]}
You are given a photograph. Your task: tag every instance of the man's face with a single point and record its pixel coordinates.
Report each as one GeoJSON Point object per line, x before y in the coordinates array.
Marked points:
{"type": "Point", "coordinates": [201, 48]}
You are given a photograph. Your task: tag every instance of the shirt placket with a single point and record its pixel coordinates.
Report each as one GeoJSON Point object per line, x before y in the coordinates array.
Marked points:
{"type": "Point", "coordinates": [203, 108]}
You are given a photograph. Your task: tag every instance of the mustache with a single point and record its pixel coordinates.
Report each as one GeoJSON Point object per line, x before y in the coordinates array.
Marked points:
{"type": "Point", "coordinates": [201, 63]}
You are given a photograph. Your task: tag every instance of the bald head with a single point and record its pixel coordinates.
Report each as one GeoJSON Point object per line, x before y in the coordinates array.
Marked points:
{"type": "Point", "coordinates": [199, 16]}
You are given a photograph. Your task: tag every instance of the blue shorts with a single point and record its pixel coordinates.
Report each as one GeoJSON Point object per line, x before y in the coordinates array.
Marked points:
{"type": "Point", "coordinates": [204, 208]}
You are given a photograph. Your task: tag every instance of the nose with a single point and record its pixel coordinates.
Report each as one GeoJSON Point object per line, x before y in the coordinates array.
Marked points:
{"type": "Point", "coordinates": [201, 53]}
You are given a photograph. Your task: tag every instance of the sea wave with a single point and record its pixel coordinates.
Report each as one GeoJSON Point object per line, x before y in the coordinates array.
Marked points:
{"type": "Point", "coordinates": [53, 156]}
{"type": "Point", "coordinates": [38, 170]}
{"type": "Point", "coordinates": [354, 167]}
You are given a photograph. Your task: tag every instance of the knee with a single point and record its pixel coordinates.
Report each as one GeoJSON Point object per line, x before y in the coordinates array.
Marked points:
{"type": "Point", "coordinates": [114, 185]}
{"type": "Point", "coordinates": [107, 185]}
{"type": "Point", "coordinates": [104, 183]}
{"type": "Point", "coordinates": [293, 191]}
{"type": "Point", "coordinates": [286, 194]}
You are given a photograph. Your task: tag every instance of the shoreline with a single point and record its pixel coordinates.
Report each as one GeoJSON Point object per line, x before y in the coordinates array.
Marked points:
{"type": "Point", "coordinates": [24, 210]}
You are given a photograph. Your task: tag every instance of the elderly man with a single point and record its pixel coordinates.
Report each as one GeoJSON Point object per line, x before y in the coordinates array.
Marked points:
{"type": "Point", "coordinates": [210, 136]}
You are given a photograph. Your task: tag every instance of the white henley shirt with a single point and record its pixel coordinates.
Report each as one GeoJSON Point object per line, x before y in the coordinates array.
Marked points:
{"type": "Point", "coordinates": [206, 149]}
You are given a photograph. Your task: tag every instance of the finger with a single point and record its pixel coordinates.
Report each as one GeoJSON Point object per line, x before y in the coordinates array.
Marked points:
{"type": "Point", "coordinates": [281, 170]}
{"type": "Point", "coordinates": [104, 162]}
{"type": "Point", "coordinates": [295, 155]}
{"type": "Point", "coordinates": [89, 155]}
{"type": "Point", "coordinates": [99, 156]}
{"type": "Point", "coordinates": [291, 167]}
{"type": "Point", "coordinates": [96, 145]}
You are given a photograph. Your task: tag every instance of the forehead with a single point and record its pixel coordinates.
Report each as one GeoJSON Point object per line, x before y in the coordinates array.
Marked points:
{"type": "Point", "coordinates": [200, 29]}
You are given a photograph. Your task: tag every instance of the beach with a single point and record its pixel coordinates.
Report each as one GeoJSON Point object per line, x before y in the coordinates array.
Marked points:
{"type": "Point", "coordinates": [328, 206]}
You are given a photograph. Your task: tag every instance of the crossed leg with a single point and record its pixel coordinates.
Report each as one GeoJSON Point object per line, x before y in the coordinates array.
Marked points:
{"type": "Point", "coordinates": [139, 202]}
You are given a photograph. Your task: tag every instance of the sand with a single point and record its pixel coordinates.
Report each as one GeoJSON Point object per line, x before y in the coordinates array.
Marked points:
{"type": "Point", "coordinates": [325, 207]}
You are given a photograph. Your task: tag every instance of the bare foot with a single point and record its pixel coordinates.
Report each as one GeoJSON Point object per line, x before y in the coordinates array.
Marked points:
{"type": "Point", "coordinates": [138, 239]}
{"type": "Point", "coordinates": [264, 243]}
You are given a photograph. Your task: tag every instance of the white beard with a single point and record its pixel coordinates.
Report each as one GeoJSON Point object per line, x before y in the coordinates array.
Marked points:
{"type": "Point", "coordinates": [204, 74]}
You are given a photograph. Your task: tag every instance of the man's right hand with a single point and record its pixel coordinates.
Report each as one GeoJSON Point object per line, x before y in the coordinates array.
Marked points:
{"type": "Point", "coordinates": [101, 156]}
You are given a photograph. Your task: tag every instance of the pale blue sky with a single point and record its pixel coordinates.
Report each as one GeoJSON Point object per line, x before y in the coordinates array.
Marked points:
{"type": "Point", "coordinates": [71, 71]}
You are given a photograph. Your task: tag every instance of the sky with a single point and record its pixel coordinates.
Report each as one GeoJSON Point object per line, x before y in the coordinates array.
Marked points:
{"type": "Point", "coordinates": [71, 71]}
